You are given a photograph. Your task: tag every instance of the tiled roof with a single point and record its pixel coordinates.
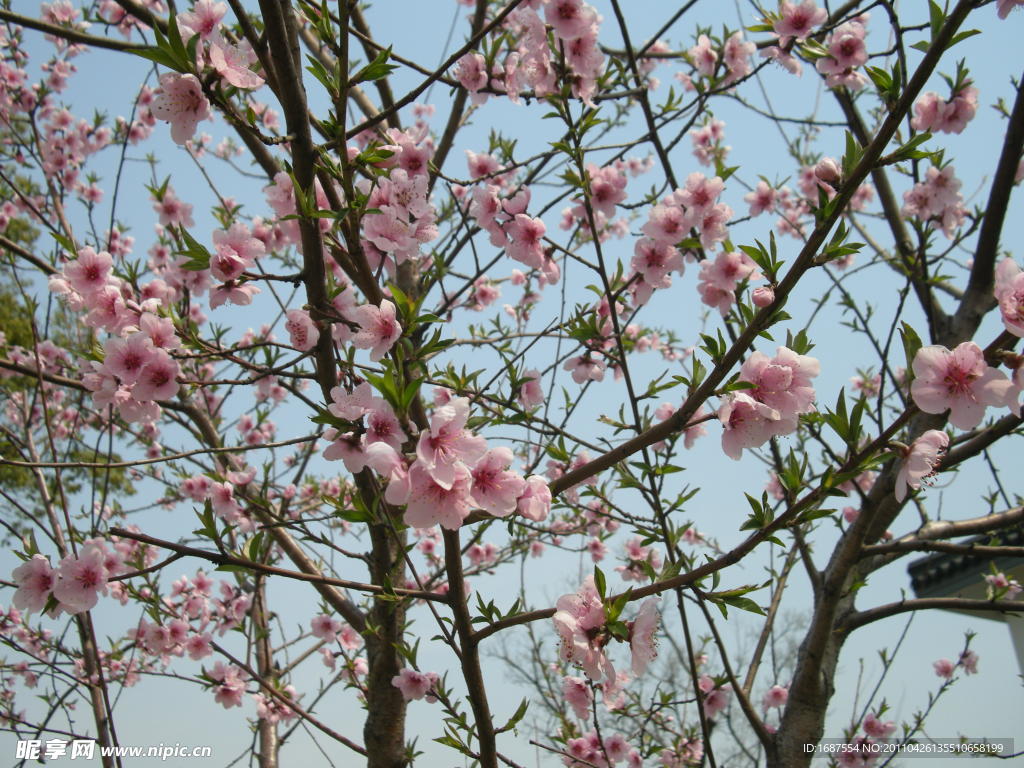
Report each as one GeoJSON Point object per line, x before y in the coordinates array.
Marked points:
{"type": "Point", "coordinates": [943, 573]}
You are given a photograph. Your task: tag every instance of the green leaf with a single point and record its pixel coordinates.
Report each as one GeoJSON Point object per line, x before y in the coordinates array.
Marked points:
{"type": "Point", "coordinates": [935, 18]}
{"type": "Point", "coordinates": [376, 69]}
{"type": "Point", "coordinates": [513, 721]}
{"type": "Point", "coordinates": [959, 36]}
{"type": "Point", "coordinates": [599, 582]}
{"type": "Point", "coordinates": [64, 243]}
{"type": "Point", "coordinates": [744, 604]}
{"type": "Point", "coordinates": [911, 344]}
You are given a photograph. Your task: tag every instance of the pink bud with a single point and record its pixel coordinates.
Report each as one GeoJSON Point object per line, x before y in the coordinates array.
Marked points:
{"type": "Point", "coordinates": [828, 171]}
{"type": "Point", "coordinates": [763, 296]}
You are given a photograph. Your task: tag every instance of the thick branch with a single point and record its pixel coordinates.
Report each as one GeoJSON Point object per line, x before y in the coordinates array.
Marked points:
{"type": "Point", "coordinates": [861, 618]}
{"type": "Point", "coordinates": [282, 33]}
{"type": "Point", "coordinates": [978, 298]}
{"type": "Point", "coordinates": [470, 651]}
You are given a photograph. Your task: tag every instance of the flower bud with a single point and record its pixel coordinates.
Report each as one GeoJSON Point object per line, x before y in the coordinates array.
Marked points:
{"type": "Point", "coordinates": [763, 296]}
{"type": "Point", "coordinates": [827, 171]}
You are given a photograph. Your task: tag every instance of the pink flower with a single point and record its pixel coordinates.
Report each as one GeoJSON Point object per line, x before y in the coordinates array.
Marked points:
{"type": "Point", "coordinates": [1009, 292]}
{"type": "Point", "coordinates": [35, 579]}
{"type": "Point", "coordinates": [447, 443]}
{"type": "Point", "coordinates": [471, 72]}
{"type": "Point", "coordinates": [642, 635]}
{"type": "Point", "coordinates": [81, 579]}
{"type": "Point", "coordinates": [668, 224]}
{"type": "Point", "coordinates": [382, 426]}
{"type": "Point", "coordinates": [944, 668]}
{"type": "Point", "coordinates": [937, 200]}
{"type": "Point", "coordinates": [1001, 583]}
{"type": "Point", "coordinates": [961, 382]}
{"type": "Point", "coordinates": [570, 18]}
{"type": "Point", "coordinates": [236, 251]}
{"type": "Point", "coordinates": [703, 57]}
{"type": "Point", "coordinates": [653, 260]}
{"type": "Point", "coordinates": [180, 101]}
{"type": "Point", "coordinates": [777, 696]}
{"type": "Point", "coordinates": [747, 423]}
{"type": "Point", "coordinates": [783, 383]}
{"type": "Point", "coordinates": [239, 294]}
{"type": "Point", "coordinates": [482, 554]}
{"type": "Point", "coordinates": [736, 55]}
{"type": "Point", "coordinates": [616, 747]}
{"type": "Point", "coordinates": [1003, 7]}
{"type": "Point", "coordinates": [414, 685]}
{"type": "Point", "coordinates": [783, 58]}
{"type": "Point", "coordinates": [495, 488]}
{"type": "Point", "coordinates": [202, 20]}
{"type": "Point", "coordinates": [847, 52]}
{"type": "Point", "coordinates": [798, 20]}
{"type": "Point", "coordinates": [229, 684]}
{"type": "Point", "coordinates": [125, 358]}
{"type": "Point", "coordinates": [530, 392]}
{"type": "Point", "coordinates": [199, 646]}
{"type": "Point", "coordinates": [727, 270]}
{"type": "Point", "coordinates": [575, 617]}
{"type": "Point", "coordinates": [431, 503]}
{"type": "Point", "coordinates": [325, 628]}
{"type": "Point", "coordinates": [379, 329]}
{"type": "Point", "coordinates": [173, 211]}
{"type": "Point", "coordinates": [763, 296]}
{"type": "Point", "coordinates": [351, 405]}
{"type": "Point", "coordinates": [386, 461]}
{"type": "Point", "coordinates": [969, 661]}
{"type": "Point", "coordinates": [607, 188]}
{"type": "Point", "coordinates": [160, 331]}
{"type": "Point", "coordinates": [90, 271]}
{"type": "Point", "coordinates": [526, 240]}
{"type": "Point", "coordinates": [535, 502]}
{"type": "Point", "coordinates": [713, 699]}
{"type": "Point", "coordinates": [921, 460]}
{"type": "Point", "coordinates": [232, 63]}
{"type": "Point", "coordinates": [158, 379]}
{"type": "Point", "coordinates": [877, 729]}
{"type": "Point", "coordinates": [578, 696]}
{"type": "Point", "coordinates": [761, 199]}
{"type": "Point", "coordinates": [302, 331]}
{"type": "Point", "coordinates": [584, 368]}
{"type": "Point", "coordinates": [931, 113]}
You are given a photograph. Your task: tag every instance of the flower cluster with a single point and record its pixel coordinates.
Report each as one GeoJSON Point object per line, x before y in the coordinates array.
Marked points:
{"type": "Point", "coordinates": [591, 749]}
{"type": "Point", "coordinates": [846, 53]}
{"type": "Point", "coordinates": [529, 66]}
{"type": "Point", "coordinates": [932, 113]}
{"type": "Point", "coordinates": [137, 368]}
{"type": "Point", "coordinates": [75, 584]}
{"type": "Point", "coordinates": [405, 219]}
{"type": "Point", "coordinates": [937, 200]}
{"type": "Point", "coordinates": [453, 471]}
{"type": "Point", "coordinates": [584, 630]}
{"type": "Point", "coordinates": [510, 227]}
{"type": "Point", "coordinates": [721, 276]}
{"type": "Point", "coordinates": [1002, 586]}
{"type": "Point", "coordinates": [782, 391]}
